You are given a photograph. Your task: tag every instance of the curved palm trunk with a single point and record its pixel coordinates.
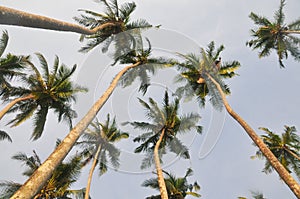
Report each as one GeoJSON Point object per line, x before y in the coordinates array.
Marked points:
{"type": "Point", "coordinates": [43, 173]}
{"type": "Point", "coordinates": [12, 103]}
{"type": "Point", "coordinates": [283, 173]}
{"type": "Point", "coordinates": [9, 16]}
{"type": "Point", "coordinates": [160, 177]}
{"type": "Point", "coordinates": [94, 164]}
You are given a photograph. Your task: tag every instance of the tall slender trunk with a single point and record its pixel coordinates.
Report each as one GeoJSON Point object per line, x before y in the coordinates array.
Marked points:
{"type": "Point", "coordinates": [14, 102]}
{"type": "Point", "coordinates": [160, 177]}
{"type": "Point", "coordinates": [283, 173]}
{"type": "Point", "coordinates": [291, 31]}
{"type": "Point", "coordinates": [9, 16]}
{"type": "Point", "coordinates": [43, 173]}
{"type": "Point", "coordinates": [94, 164]}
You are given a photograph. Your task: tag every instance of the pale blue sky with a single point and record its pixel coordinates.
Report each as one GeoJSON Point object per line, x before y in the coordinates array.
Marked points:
{"type": "Point", "coordinates": [263, 94]}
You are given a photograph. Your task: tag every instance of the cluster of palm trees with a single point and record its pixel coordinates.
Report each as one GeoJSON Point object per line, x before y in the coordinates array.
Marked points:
{"type": "Point", "coordinates": [202, 74]}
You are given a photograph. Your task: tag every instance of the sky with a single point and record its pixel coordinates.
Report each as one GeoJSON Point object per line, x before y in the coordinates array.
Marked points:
{"type": "Point", "coordinates": [263, 94]}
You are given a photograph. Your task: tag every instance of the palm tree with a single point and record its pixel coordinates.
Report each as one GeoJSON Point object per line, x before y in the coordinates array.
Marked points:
{"type": "Point", "coordinates": [4, 136]}
{"type": "Point", "coordinates": [285, 147]}
{"type": "Point", "coordinates": [192, 74]}
{"type": "Point", "coordinates": [161, 134]}
{"type": "Point", "coordinates": [58, 186]}
{"type": "Point", "coordinates": [216, 89]}
{"type": "Point", "coordinates": [116, 14]}
{"type": "Point", "coordinates": [10, 65]}
{"type": "Point", "coordinates": [177, 188]}
{"type": "Point", "coordinates": [275, 35]}
{"type": "Point", "coordinates": [50, 90]}
{"type": "Point", "coordinates": [44, 172]}
{"type": "Point", "coordinates": [97, 144]}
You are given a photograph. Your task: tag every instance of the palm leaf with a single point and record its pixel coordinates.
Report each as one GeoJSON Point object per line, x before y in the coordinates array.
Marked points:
{"type": "Point", "coordinates": [8, 188]}
{"type": "Point", "coordinates": [5, 136]}
{"type": "Point", "coordinates": [44, 66]}
{"type": "Point", "coordinates": [3, 42]}
{"type": "Point", "coordinates": [39, 122]}
{"type": "Point", "coordinates": [279, 15]}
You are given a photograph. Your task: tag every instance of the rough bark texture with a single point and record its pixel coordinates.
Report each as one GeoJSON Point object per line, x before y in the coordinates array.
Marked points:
{"type": "Point", "coordinates": [94, 164]}
{"type": "Point", "coordinates": [12, 103]}
{"type": "Point", "coordinates": [43, 173]}
{"type": "Point", "coordinates": [160, 177]}
{"type": "Point", "coordinates": [9, 16]}
{"type": "Point", "coordinates": [283, 173]}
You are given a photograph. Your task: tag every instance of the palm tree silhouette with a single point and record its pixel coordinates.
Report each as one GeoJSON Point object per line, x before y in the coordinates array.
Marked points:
{"type": "Point", "coordinates": [161, 134]}
{"type": "Point", "coordinates": [49, 90]}
{"type": "Point", "coordinates": [285, 147]}
{"type": "Point", "coordinates": [275, 35]}
{"type": "Point", "coordinates": [97, 144]}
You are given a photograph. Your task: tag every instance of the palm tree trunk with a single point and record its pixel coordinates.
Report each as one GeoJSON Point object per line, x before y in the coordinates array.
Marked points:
{"type": "Point", "coordinates": [9, 16]}
{"type": "Point", "coordinates": [291, 31]}
{"type": "Point", "coordinates": [283, 173]}
{"type": "Point", "coordinates": [94, 164]}
{"type": "Point", "coordinates": [12, 103]}
{"type": "Point", "coordinates": [160, 177]}
{"type": "Point", "coordinates": [43, 173]}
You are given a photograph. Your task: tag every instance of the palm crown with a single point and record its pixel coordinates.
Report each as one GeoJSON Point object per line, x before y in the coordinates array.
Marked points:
{"type": "Point", "coordinates": [102, 136]}
{"type": "Point", "coordinates": [49, 90]}
{"type": "Point", "coordinates": [285, 147]}
{"type": "Point", "coordinates": [178, 188]}
{"type": "Point", "coordinates": [167, 120]}
{"type": "Point", "coordinates": [276, 35]}
{"type": "Point", "coordinates": [119, 15]}
{"type": "Point", "coordinates": [148, 64]}
{"type": "Point", "coordinates": [194, 70]}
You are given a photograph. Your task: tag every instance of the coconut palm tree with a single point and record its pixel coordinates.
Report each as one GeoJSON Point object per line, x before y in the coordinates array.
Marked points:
{"type": "Point", "coordinates": [116, 14]}
{"type": "Point", "coordinates": [97, 143]}
{"type": "Point", "coordinates": [35, 182]}
{"type": "Point", "coordinates": [4, 136]}
{"type": "Point", "coordinates": [217, 91]}
{"type": "Point", "coordinates": [49, 90]}
{"type": "Point", "coordinates": [285, 147]}
{"type": "Point", "coordinates": [275, 35]}
{"type": "Point", "coordinates": [177, 188]}
{"type": "Point", "coordinates": [191, 73]}
{"type": "Point", "coordinates": [58, 186]}
{"type": "Point", "coordinates": [161, 134]}
{"type": "Point", "coordinates": [10, 65]}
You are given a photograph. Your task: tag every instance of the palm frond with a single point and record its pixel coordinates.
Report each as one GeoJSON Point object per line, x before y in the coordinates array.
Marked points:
{"type": "Point", "coordinates": [5, 136]}
{"type": "Point", "coordinates": [26, 113]}
{"type": "Point", "coordinates": [259, 20]}
{"type": "Point", "coordinates": [177, 147]}
{"type": "Point", "coordinates": [279, 15]}
{"type": "Point", "coordinates": [39, 122]}
{"type": "Point", "coordinates": [44, 66]}
{"type": "Point", "coordinates": [125, 11]}
{"type": "Point", "coordinates": [295, 25]}
{"type": "Point", "coordinates": [3, 42]}
{"type": "Point", "coordinates": [8, 188]}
